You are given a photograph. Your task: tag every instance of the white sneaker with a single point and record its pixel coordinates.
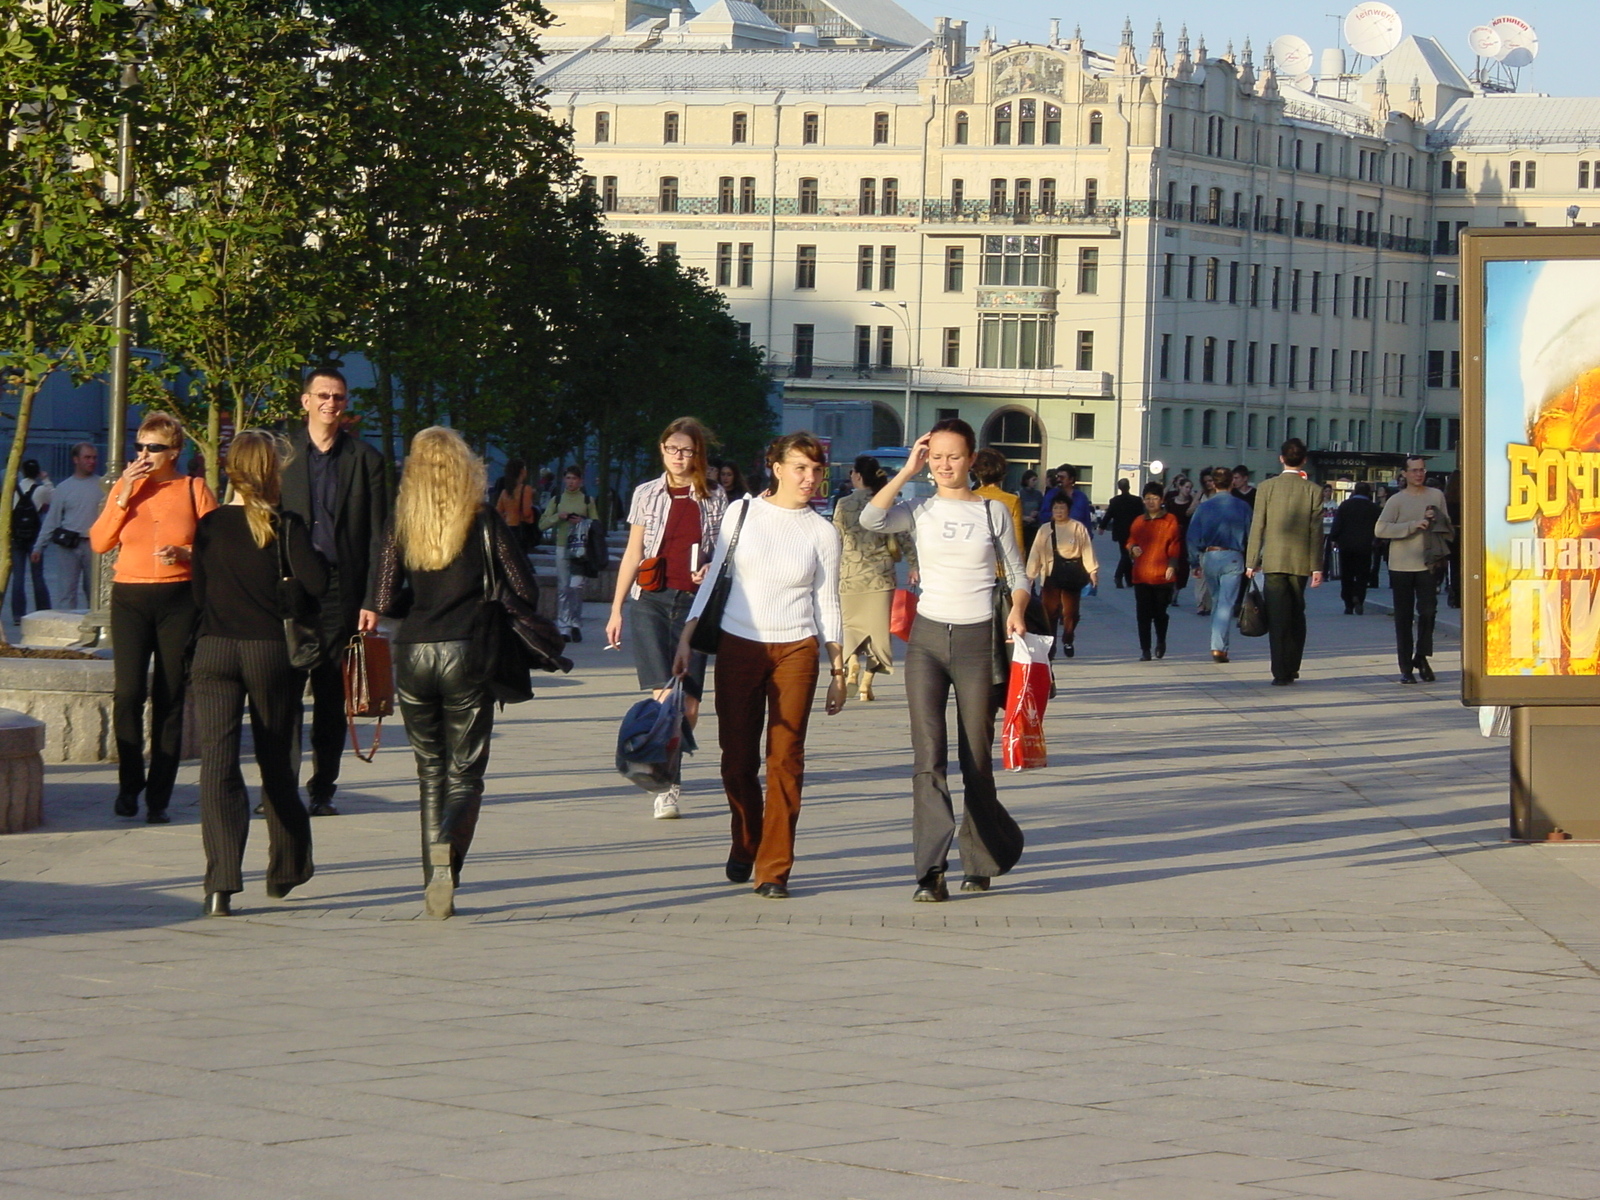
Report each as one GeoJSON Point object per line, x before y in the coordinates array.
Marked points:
{"type": "Point", "coordinates": [667, 803]}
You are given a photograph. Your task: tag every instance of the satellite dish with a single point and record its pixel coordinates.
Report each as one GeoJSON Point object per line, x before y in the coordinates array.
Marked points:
{"type": "Point", "coordinates": [1519, 44]}
{"type": "Point", "coordinates": [1372, 29]}
{"type": "Point", "coordinates": [1484, 41]}
{"type": "Point", "coordinates": [1305, 83]}
{"type": "Point", "coordinates": [1292, 55]}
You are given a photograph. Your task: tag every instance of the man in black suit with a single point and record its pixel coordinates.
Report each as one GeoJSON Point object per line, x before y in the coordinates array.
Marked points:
{"type": "Point", "coordinates": [1352, 533]}
{"type": "Point", "coordinates": [335, 483]}
{"type": "Point", "coordinates": [1122, 511]}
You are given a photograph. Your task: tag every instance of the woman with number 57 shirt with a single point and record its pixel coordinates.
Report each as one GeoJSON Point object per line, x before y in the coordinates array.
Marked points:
{"type": "Point", "coordinates": [962, 542]}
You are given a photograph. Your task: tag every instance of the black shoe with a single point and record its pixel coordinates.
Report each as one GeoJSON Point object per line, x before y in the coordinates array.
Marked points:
{"type": "Point", "coordinates": [1067, 650]}
{"type": "Point", "coordinates": [1361, 609]}
{"type": "Point", "coordinates": [738, 872]}
{"type": "Point", "coordinates": [575, 636]}
{"type": "Point", "coordinates": [975, 883]}
{"type": "Point", "coordinates": [127, 804]}
{"type": "Point", "coordinates": [772, 891]}
{"type": "Point", "coordinates": [1161, 649]}
{"type": "Point", "coordinates": [1144, 656]}
{"type": "Point", "coordinates": [323, 808]}
{"type": "Point", "coordinates": [932, 889]}
{"type": "Point", "coordinates": [1424, 671]}
{"type": "Point", "coordinates": [218, 904]}
{"type": "Point", "coordinates": [1349, 610]}
{"type": "Point", "coordinates": [1408, 677]}
{"type": "Point", "coordinates": [157, 818]}
{"type": "Point", "coordinates": [277, 891]}
{"type": "Point", "coordinates": [1282, 682]}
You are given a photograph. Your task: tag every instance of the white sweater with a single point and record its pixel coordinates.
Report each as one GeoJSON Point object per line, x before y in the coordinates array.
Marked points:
{"type": "Point", "coordinates": [785, 575]}
{"type": "Point", "coordinates": [955, 551]}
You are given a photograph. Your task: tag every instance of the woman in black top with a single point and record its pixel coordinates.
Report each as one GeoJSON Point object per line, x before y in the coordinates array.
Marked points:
{"type": "Point", "coordinates": [237, 564]}
{"type": "Point", "coordinates": [436, 547]}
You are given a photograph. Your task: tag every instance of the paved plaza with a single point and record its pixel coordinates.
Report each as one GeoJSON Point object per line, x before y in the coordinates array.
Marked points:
{"type": "Point", "coordinates": [1263, 943]}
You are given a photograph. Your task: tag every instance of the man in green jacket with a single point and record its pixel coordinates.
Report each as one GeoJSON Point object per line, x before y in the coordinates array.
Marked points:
{"type": "Point", "coordinates": [1286, 544]}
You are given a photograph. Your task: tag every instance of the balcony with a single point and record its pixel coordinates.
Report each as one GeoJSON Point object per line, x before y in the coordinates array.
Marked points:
{"type": "Point", "coordinates": [1101, 217]}
{"type": "Point", "coordinates": [981, 380]}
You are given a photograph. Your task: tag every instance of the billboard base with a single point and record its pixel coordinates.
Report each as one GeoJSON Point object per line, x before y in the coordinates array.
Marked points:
{"type": "Point", "coordinates": [1553, 752]}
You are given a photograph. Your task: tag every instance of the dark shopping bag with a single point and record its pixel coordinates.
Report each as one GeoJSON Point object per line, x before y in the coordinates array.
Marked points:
{"type": "Point", "coordinates": [653, 739]}
{"type": "Point", "coordinates": [1252, 611]}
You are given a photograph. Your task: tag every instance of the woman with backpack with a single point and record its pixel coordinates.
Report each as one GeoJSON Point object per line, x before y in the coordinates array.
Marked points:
{"type": "Point", "coordinates": [29, 502]}
{"type": "Point", "coordinates": [567, 509]}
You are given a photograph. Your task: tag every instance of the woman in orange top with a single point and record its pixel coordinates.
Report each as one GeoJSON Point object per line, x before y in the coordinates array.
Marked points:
{"type": "Point", "coordinates": [1156, 547]}
{"type": "Point", "coordinates": [514, 502]}
{"type": "Point", "coordinates": [152, 517]}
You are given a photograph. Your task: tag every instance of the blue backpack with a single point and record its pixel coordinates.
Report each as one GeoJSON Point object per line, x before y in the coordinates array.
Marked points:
{"type": "Point", "coordinates": [653, 739]}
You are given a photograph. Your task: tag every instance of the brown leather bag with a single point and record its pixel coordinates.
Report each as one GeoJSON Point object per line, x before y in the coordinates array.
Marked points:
{"type": "Point", "coordinates": [368, 686]}
{"type": "Point", "coordinates": [652, 576]}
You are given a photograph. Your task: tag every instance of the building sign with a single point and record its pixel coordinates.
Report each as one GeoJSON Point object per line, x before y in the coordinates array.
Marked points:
{"type": "Point", "coordinates": [1531, 463]}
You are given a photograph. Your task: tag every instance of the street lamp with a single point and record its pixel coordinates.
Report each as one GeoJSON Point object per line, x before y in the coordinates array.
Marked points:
{"type": "Point", "coordinates": [904, 317]}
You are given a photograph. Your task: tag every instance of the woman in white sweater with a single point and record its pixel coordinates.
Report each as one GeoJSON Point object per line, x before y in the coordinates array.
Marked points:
{"type": "Point", "coordinates": [782, 608]}
{"type": "Point", "coordinates": [962, 540]}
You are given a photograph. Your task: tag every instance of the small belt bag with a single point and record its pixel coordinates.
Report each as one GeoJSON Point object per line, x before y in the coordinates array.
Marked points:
{"type": "Point", "coordinates": [368, 686]}
{"type": "Point", "coordinates": [67, 539]}
{"type": "Point", "coordinates": [652, 575]}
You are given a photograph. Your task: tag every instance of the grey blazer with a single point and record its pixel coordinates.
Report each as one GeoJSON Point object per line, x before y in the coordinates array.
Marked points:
{"type": "Point", "coordinates": [1286, 529]}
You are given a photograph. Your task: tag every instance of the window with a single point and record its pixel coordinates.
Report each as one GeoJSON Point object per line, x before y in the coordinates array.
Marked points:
{"type": "Point", "coordinates": [666, 250]}
{"type": "Point", "coordinates": [1091, 196]}
{"type": "Point", "coordinates": [744, 332]}
{"type": "Point", "coordinates": [997, 195]}
{"type": "Point", "coordinates": [1316, 291]}
{"type": "Point", "coordinates": [1088, 270]}
{"type": "Point", "coordinates": [805, 267]}
{"type": "Point", "coordinates": [1164, 363]}
{"type": "Point", "coordinates": [1233, 283]}
{"type": "Point", "coordinates": [1025, 341]}
{"type": "Point", "coordinates": [867, 204]}
{"type": "Point", "coordinates": [1294, 366]}
{"type": "Point", "coordinates": [952, 347]}
{"type": "Point", "coordinates": [1313, 362]}
{"type": "Point", "coordinates": [1272, 432]}
{"type": "Point", "coordinates": [1277, 286]}
{"type": "Point", "coordinates": [891, 197]}
{"type": "Point", "coordinates": [747, 194]}
{"type": "Point", "coordinates": [1083, 426]}
{"type": "Point", "coordinates": [667, 199]}
{"type": "Point", "coordinates": [1252, 357]}
{"type": "Point", "coordinates": [1522, 174]}
{"type": "Point", "coordinates": [724, 264]}
{"type": "Point", "coordinates": [608, 193]}
{"type": "Point", "coordinates": [864, 269]}
{"type": "Point", "coordinates": [1188, 358]}
{"type": "Point", "coordinates": [1085, 349]}
{"type": "Point", "coordinates": [863, 347]}
{"type": "Point", "coordinates": [670, 125]}
{"type": "Point", "coordinates": [1208, 427]}
{"type": "Point", "coordinates": [1251, 425]}
{"type": "Point", "coordinates": [961, 129]}
{"type": "Point", "coordinates": [1188, 427]}
{"type": "Point", "coordinates": [1213, 273]}
{"type": "Point", "coordinates": [805, 344]}
{"type": "Point", "coordinates": [1168, 261]}
{"type": "Point", "coordinates": [1194, 267]}
{"type": "Point", "coordinates": [1002, 125]}
{"type": "Point", "coordinates": [1214, 207]}
{"type": "Point", "coordinates": [1097, 129]}
{"type": "Point", "coordinates": [1311, 433]}
{"type": "Point", "coordinates": [1294, 290]}
{"type": "Point", "coordinates": [602, 129]}
{"type": "Point", "coordinates": [725, 194]}
{"type": "Point", "coordinates": [741, 128]}
{"type": "Point", "coordinates": [1447, 302]}
{"type": "Point", "coordinates": [1255, 285]}
{"type": "Point", "coordinates": [1208, 360]}
{"type": "Point", "coordinates": [1230, 367]}
{"type": "Point", "coordinates": [1024, 201]}
{"type": "Point", "coordinates": [886, 268]}
{"type": "Point", "coordinates": [747, 264]}
{"type": "Point", "coordinates": [1166, 427]}
{"type": "Point", "coordinates": [955, 268]}
{"type": "Point", "coordinates": [880, 129]}
{"type": "Point", "coordinates": [886, 346]}
{"type": "Point", "coordinates": [1588, 171]}
{"type": "Point", "coordinates": [958, 195]}
{"type": "Point", "coordinates": [1027, 121]}
{"type": "Point", "coordinates": [1047, 195]}
{"type": "Point", "coordinates": [808, 197]}
{"type": "Point", "coordinates": [810, 129]}
{"type": "Point", "coordinates": [1011, 260]}
{"type": "Point", "coordinates": [1052, 125]}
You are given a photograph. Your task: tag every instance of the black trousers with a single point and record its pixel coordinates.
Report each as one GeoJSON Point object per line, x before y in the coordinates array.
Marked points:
{"type": "Point", "coordinates": [1286, 623]}
{"type": "Point", "coordinates": [1124, 572]}
{"type": "Point", "coordinates": [329, 727]}
{"type": "Point", "coordinates": [150, 622]}
{"type": "Point", "coordinates": [1150, 604]}
{"type": "Point", "coordinates": [1416, 602]}
{"type": "Point", "coordinates": [449, 719]}
{"type": "Point", "coordinates": [226, 672]}
{"type": "Point", "coordinates": [1355, 570]}
{"type": "Point", "coordinates": [938, 658]}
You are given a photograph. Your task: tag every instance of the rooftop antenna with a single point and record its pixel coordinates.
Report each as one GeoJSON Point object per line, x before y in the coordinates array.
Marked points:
{"type": "Point", "coordinates": [1293, 58]}
{"type": "Point", "coordinates": [1372, 29]}
{"type": "Point", "coordinates": [1502, 48]}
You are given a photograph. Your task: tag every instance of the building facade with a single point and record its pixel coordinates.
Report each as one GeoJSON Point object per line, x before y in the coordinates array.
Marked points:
{"type": "Point", "coordinates": [1102, 259]}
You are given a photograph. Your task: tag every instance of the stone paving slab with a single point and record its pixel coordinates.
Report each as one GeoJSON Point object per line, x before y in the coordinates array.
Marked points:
{"type": "Point", "coordinates": [1264, 943]}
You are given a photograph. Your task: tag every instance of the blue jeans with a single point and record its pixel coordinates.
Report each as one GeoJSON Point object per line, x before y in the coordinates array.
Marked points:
{"type": "Point", "coordinates": [20, 568]}
{"type": "Point", "coordinates": [1223, 571]}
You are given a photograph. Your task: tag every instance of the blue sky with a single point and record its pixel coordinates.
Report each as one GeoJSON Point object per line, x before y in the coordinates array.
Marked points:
{"type": "Point", "coordinates": [1568, 56]}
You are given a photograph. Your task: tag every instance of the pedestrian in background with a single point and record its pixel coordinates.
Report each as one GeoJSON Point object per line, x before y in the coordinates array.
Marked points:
{"type": "Point", "coordinates": [1416, 524]}
{"type": "Point", "coordinates": [513, 500]}
{"type": "Point", "coordinates": [963, 543]}
{"type": "Point", "coordinates": [1217, 536]}
{"type": "Point", "coordinates": [151, 519]}
{"type": "Point", "coordinates": [990, 468]}
{"type": "Point", "coordinates": [241, 551]}
{"type": "Point", "coordinates": [30, 500]}
{"type": "Point", "coordinates": [1121, 512]}
{"type": "Point", "coordinates": [1067, 485]}
{"type": "Point", "coordinates": [672, 530]}
{"type": "Point", "coordinates": [63, 541]}
{"type": "Point", "coordinates": [567, 510]}
{"type": "Point", "coordinates": [732, 480]}
{"type": "Point", "coordinates": [1155, 544]}
{"type": "Point", "coordinates": [867, 578]}
{"type": "Point", "coordinates": [1030, 497]}
{"type": "Point", "coordinates": [1243, 489]}
{"type": "Point", "coordinates": [1286, 544]}
{"type": "Point", "coordinates": [782, 611]}
{"type": "Point", "coordinates": [435, 555]}
{"type": "Point", "coordinates": [1062, 562]}
{"type": "Point", "coordinates": [1180, 502]}
{"type": "Point", "coordinates": [1352, 532]}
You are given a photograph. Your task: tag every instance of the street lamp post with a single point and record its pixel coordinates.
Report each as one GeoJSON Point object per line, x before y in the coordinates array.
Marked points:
{"type": "Point", "coordinates": [904, 316]}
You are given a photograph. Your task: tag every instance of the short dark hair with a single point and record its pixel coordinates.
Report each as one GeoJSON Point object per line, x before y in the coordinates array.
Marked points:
{"type": "Point", "coordinates": [79, 447]}
{"type": "Point", "coordinates": [1241, 469]}
{"type": "Point", "coordinates": [1293, 452]}
{"type": "Point", "coordinates": [958, 427]}
{"type": "Point", "coordinates": [1027, 475]}
{"type": "Point", "coordinates": [1153, 489]}
{"type": "Point", "coordinates": [30, 467]}
{"type": "Point", "coordinates": [989, 466]}
{"type": "Point", "coordinates": [1070, 473]}
{"type": "Point", "coordinates": [1362, 489]}
{"type": "Point", "coordinates": [1122, 485]}
{"type": "Point", "coordinates": [323, 373]}
{"type": "Point", "coordinates": [1411, 458]}
{"type": "Point", "coordinates": [574, 469]}
{"type": "Point", "coordinates": [1058, 498]}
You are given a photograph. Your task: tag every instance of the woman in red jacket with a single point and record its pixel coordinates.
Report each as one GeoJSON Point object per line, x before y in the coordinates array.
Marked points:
{"type": "Point", "coordinates": [1156, 546]}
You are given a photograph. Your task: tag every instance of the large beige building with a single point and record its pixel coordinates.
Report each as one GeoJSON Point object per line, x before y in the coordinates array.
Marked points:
{"type": "Point", "coordinates": [1096, 258]}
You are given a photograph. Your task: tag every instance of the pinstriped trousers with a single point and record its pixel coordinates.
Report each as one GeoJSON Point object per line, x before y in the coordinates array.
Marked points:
{"type": "Point", "coordinates": [226, 672]}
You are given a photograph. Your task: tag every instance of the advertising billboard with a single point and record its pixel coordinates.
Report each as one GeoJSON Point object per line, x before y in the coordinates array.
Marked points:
{"type": "Point", "coordinates": [1531, 466]}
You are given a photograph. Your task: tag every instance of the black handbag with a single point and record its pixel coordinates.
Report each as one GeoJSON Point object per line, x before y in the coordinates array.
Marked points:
{"type": "Point", "coordinates": [298, 609]}
{"type": "Point", "coordinates": [1000, 674]}
{"type": "Point", "coordinates": [707, 635]}
{"type": "Point", "coordinates": [1252, 611]}
{"type": "Point", "coordinates": [509, 638]}
{"type": "Point", "coordinates": [1066, 574]}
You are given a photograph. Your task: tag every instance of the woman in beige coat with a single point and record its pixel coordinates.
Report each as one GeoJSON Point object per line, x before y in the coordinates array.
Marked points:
{"type": "Point", "coordinates": [1062, 562]}
{"type": "Point", "coordinates": [866, 578]}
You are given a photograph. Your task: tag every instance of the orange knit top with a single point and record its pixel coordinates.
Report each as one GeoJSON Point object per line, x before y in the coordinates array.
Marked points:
{"type": "Point", "coordinates": [159, 514]}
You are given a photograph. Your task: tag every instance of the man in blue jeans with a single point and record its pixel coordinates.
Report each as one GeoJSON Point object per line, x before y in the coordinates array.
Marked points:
{"type": "Point", "coordinates": [1218, 532]}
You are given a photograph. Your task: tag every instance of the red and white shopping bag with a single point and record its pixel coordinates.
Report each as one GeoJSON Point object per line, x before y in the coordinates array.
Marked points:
{"type": "Point", "coordinates": [1022, 736]}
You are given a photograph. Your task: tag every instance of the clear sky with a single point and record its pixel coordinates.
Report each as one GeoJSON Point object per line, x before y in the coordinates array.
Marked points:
{"type": "Point", "coordinates": [1568, 62]}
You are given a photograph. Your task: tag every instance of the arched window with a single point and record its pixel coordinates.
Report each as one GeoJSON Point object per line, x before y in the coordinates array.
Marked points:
{"type": "Point", "coordinates": [1002, 125]}
{"type": "Point", "coordinates": [961, 129]}
{"type": "Point", "coordinates": [1027, 121]}
{"type": "Point", "coordinates": [1097, 129]}
{"type": "Point", "coordinates": [1052, 125]}
{"type": "Point", "coordinates": [1208, 427]}
{"type": "Point", "coordinates": [1231, 433]}
{"type": "Point", "coordinates": [602, 127]}
{"type": "Point", "coordinates": [1188, 427]}
{"type": "Point", "coordinates": [670, 127]}
{"type": "Point", "coordinates": [1015, 433]}
{"type": "Point", "coordinates": [1166, 427]}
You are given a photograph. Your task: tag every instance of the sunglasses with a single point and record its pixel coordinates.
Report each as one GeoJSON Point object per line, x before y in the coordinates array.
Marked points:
{"type": "Point", "coordinates": [152, 447]}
